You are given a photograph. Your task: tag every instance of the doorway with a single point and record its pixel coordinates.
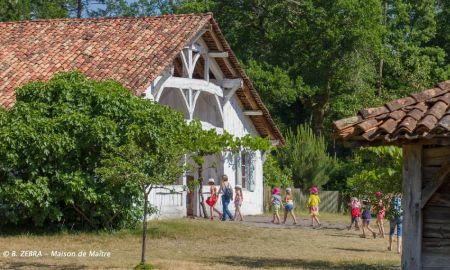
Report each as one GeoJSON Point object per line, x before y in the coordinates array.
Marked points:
{"type": "Point", "coordinates": [190, 196]}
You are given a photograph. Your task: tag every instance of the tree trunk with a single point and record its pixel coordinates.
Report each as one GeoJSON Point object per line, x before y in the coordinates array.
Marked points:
{"type": "Point", "coordinates": [79, 8]}
{"type": "Point", "coordinates": [380, 78]}
{"type": "Point", "coordinates": [144, 226]}
{"type": "Point", "coordinates": [319, 109]}
{"type": "Point", "coordinates": [200, 191]}
{"type": "Point", "coordinates": [318, 114]}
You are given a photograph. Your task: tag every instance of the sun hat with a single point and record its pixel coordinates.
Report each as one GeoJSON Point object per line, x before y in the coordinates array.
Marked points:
{"type": "Point", "coordinates": [211, 180]}
{"type": "Point", "coordinates": [288, 189]}
{"type": "Point", "coordinates": [276, 191]}
{"type": "Point", "coordinates": [238, 186]}
{"type": "Point", "coordinates": [314, 190]}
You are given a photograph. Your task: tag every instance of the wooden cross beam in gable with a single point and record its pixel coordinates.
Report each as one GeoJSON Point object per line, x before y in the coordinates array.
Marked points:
{"type": "Point", "coordinates": [438, 180]}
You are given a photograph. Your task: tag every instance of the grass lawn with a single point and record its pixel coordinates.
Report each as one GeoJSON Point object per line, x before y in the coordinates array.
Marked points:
{"type": "Point", "coordinates": [203, 244]}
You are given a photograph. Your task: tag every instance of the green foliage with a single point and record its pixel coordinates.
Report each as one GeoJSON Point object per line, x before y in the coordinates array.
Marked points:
{"type": "Point", "coordinates": [274, 176]}
{"type": "Point", "coordinates": [13, 10]}
{"type": "Point", "coordinates": [58, 145]}
{"type": "Point", "coordinates": [317, 61]}
{"type": "Point", "coordinates": [279, 92]}
{"type": "Point", "coordinates": [376, 169]}
{"type": "Point", "coordinates": [144, 266]}
{"type": "Point", "coordinates": [306, 158]}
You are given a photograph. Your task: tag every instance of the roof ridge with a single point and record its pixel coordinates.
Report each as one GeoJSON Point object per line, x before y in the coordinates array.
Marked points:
{"type": "Point", "coordinates": [125, 18]}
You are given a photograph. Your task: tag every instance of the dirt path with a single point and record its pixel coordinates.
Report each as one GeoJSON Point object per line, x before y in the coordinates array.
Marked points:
{"type": "Point", "coordinates": [304, 223]}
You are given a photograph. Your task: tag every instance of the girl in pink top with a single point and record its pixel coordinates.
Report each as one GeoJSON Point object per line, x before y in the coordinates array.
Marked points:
{"type": "Point", "coordinates": [238, 199]}
{"type": "Point", "coordinates": [381, 210]}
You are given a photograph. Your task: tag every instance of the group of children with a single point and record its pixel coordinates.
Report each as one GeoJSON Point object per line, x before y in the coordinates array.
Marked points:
{"type": "Point", "coordinates": [278, 202]}
{"type": "Point", "coordinates": [361, 211]}
{"type": "Point", "coordinates": [362, 214]}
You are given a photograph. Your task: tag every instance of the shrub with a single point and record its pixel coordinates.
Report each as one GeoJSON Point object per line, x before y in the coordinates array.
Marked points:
{"type": "Point", "coordinates": [305, 156]}
{"type": "Point", "coordinates": [51, 144]}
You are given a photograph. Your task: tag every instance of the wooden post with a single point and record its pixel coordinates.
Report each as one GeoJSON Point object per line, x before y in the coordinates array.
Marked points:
{"type": "Point", "coordinates": [412, 220]}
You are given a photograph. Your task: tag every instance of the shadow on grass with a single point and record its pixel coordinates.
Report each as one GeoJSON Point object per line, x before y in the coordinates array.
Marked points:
{"type": "Point", "coordinates": [345, 235]}
{"type": "Point", "coordinates": [34, 265]}
{"type": "Point", "coordinates": [356, 249]}
{"type": "Point", "coordinates": [299, 263]}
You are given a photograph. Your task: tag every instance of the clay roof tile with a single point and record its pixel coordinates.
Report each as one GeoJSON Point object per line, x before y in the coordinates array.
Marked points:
{"type": "Point", "coordinates": [421, 115]}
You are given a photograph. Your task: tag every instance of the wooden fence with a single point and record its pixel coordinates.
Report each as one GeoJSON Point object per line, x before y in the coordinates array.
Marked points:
{"type": "Point", "coordinates": [331, 201]}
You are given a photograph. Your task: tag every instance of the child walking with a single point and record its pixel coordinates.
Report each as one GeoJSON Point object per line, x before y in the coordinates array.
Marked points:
{"type": "Point", "coordinates": [313, 205]}
{"type": "Point", "coordinates": [212, 199]}
{"type": "Point", "coordinates": [289, 206]}
{"type": "Point", "coordinates": [395, 213]}
{"type": "Point", "coordinates": [355, 213]}
{"type": "Point", "coordinates": [381, 210]}
{"type": "Point", "coordinates": [276, 205]}
{"type": "Point", "coordinates": [238, 199]}
{"type": "Point", "coordinates": [366, 216]}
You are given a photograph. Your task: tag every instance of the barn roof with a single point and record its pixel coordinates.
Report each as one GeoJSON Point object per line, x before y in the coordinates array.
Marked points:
{"type": "Point", "coordinates": [133, 51]}
{"type": "Point", "coordinates": [422, 115]}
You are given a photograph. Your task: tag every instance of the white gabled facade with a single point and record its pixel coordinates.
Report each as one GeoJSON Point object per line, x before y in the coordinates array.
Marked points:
{"type": "Point", "coordinates": [191, 91]}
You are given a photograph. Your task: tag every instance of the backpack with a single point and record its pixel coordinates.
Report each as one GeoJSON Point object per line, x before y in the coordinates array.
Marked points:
{"type": "Point", "coordinates": [397, 209]}
{"type": "Point", "coordinates": [228, 192]}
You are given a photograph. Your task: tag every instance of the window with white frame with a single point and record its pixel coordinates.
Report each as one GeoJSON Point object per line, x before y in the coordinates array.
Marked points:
{"type": "Point", "coordinates": [245, 170]}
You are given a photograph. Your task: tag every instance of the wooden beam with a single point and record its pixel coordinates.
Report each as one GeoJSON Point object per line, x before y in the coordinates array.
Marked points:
{"type": "Point", "coordinates": [229, 83]}
{"type": "Point", "coordinates": [412, 220]}
{"type": "Point", "coordinates": [196, 84]}
{"type": "Point", "coordinates": [218, 54]}
{"type": "Point", "coordinates": [221, 48]}
{"type": "Point", "coordinates": [253, 113]}
{"type": "Point", "coordinates": [434, 185]}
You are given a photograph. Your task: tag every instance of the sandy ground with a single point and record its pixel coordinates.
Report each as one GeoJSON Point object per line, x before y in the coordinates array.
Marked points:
{"type": "Point", "coordinates": [204, 244]}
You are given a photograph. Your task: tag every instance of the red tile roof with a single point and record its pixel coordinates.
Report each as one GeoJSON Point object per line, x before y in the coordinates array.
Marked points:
{"type": "Point", "coordinates": [421, 115]}
{"type": "Point", "coordinates": [133, 51]}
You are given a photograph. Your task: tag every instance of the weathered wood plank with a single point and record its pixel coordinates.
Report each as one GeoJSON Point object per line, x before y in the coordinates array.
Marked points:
{"type": "Point", "coordinates": [435, 261]}
{"type": "Point", "coordinates": [436, 214]}
{"type": "Point", "coordinates": [440, 199]}
{"type": "Point", "coordinates": [428, 172]}
{"type": "Point", "coordinates": [412, 222]}
{"type": "Point", "coordinates": [441, 178]}
{"type": "Point", "coordinates": [436, 152]}
{"type": "Point", "coordinates": [435, 161]}
{"type": "Point", "coordinates": [436, 230]}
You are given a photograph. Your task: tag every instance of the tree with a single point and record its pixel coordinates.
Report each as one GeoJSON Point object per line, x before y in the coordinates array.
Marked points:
{"type": "Point", "coordinates": [58, 135]}
{"type": "Point", "coordinates": [305, 156]}
{"type": "Point", "coordinates": [207, 143]}
{"type": "Point", "coordinates": [274, 176]}
{"type": "Point", "coordinates": [376, 169]}
{"type": "Point", "coordinates": [13, 10]}
{"type": "Point", "coordinates": [204, 143]}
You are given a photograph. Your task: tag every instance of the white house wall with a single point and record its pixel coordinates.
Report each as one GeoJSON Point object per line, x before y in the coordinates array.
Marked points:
{"type": "Point", "coordinates": [239, 125]}
{"type": "Point", "coordinates": [168, 204]}
{"type": "Point", "coordinates": [234, 122]}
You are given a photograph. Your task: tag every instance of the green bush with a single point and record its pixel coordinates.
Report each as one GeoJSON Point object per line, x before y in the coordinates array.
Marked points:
{"type": "Point", "coordinates": [51, 144]}
{"type": "Point", "coordinates": [274, 176]}
{"type": "Point", "coordinates": [376, 169]}
{"type": "Point", "coordinates": [305, 156]}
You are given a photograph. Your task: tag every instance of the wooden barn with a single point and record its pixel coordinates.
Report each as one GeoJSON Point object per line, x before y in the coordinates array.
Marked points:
{"type": "Point", "coordinates": [420, 123]}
